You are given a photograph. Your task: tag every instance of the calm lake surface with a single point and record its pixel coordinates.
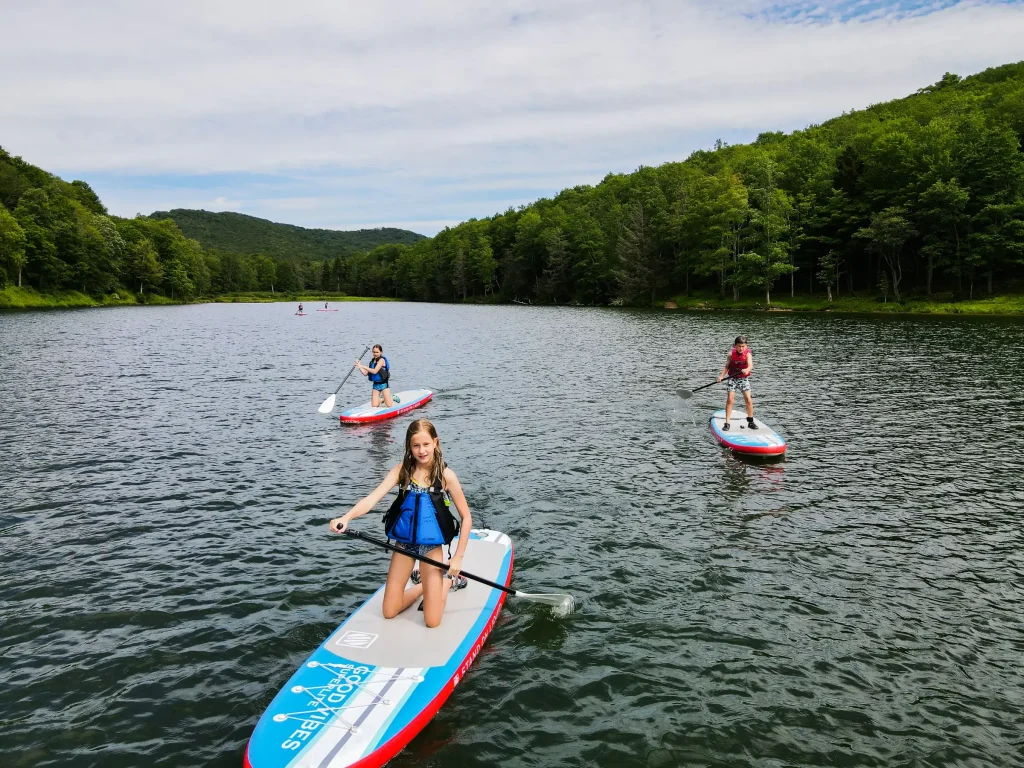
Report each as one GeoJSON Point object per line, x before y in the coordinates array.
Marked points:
{"type": "Point", "coordinates": [166, 480]}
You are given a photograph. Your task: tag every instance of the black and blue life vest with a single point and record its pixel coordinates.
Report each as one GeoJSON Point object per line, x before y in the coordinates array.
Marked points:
{"type": "Point", "coordinates": [383, 374]}
{"type": "Point", "coordinates": [421, 516]}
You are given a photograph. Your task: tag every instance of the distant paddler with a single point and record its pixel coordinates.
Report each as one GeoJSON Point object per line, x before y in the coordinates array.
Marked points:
{"type": "Point", "coordinates": [738, 367]}
{"type": "Point", "coordinates": [379, 373]}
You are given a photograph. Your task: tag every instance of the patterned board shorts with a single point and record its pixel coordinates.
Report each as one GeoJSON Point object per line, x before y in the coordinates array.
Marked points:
{"type": "Point", "coordinates": [423, 550]}
{"type": "Point", "coordinates": [739, 385]}
{"type": "Point", "coordinates": [380, 386]}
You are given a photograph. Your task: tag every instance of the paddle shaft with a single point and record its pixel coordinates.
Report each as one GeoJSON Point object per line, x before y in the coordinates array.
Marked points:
{"type": "Point", "coordinates": [350, 372]}
{"type": "Point", "coordinates": [429, 561]}
{"type": "Point", "coordinates": [698, 389]}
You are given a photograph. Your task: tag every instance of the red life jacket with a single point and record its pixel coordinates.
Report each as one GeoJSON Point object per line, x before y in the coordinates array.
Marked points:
{"type": "Point", "coordinates": [737, 363]}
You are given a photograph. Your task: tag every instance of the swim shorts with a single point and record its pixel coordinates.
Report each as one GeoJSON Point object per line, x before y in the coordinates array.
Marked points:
{"type": "Point", "coordinates": [380, 386]}
{"type": "Point", "coordinates": [417, 549]}
{"type": "Point", "coordinates": [739, 385]}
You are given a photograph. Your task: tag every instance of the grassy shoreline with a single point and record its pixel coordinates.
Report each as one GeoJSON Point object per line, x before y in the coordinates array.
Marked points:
{"type": "Point", "coordinates": [938, 304]}
{"type": "Point", "coordinates": [13, 298]}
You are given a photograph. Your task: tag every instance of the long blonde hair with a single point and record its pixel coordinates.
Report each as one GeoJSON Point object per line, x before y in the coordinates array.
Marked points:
{"type": "Point", "coordinates": [436, 470]}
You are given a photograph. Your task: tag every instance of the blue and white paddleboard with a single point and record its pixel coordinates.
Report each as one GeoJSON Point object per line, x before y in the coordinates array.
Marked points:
{"type": "Point", "coordinates": [375, 682]}
{"type": "Point", "coordinates": [760, 441]}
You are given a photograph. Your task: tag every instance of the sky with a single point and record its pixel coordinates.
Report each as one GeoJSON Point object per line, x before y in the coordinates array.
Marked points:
{"type": "Point", "coordinates": [416, 114]}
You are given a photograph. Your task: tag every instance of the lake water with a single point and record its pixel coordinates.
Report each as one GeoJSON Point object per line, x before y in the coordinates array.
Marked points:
{"type": "Point", "coordinates": [166, 480]}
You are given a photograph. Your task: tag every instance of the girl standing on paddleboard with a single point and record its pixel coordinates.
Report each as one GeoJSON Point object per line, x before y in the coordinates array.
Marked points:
{"type": "Point", "coordinates": [738, 368]}
{"type": "Point", "coordinates": [379, 373]}
{"type": "Point", "coordinates": [419, 522]}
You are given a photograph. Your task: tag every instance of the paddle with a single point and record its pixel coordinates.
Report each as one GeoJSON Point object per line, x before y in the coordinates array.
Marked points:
{"type": "Point", "coordinates": [686, 394]}
{"type": "Point", "coordinates": [561, 605]}
{"type": "Point", "coordinates": [328, 405]}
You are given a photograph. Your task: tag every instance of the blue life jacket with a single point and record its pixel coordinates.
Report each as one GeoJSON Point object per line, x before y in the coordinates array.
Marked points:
{"type": "Point", "coordinates": [383, 374]}
{"type": "Point", "coordinates": [421, 517]}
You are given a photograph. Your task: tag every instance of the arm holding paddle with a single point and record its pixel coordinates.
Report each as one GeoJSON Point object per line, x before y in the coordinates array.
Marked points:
{"type": "Point", "coordinates": [364, 505]}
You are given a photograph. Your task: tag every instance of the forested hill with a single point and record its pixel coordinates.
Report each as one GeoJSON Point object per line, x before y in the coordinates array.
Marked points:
{"type": "Point", "coordinates": [238, 233]}
{"type": "Point", "coordinates": [919, 197]}
{"type": "Point", "coordinates": [910, 198]}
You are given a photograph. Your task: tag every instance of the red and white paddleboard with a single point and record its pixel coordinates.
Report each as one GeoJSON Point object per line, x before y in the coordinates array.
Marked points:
{"type": "Point", "coordinates": [404, 402]}
{"type": "Point", "coordinates": [760, 441]}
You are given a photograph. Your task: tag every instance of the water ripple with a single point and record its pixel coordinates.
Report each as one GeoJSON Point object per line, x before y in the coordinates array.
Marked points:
{"type": "Point", "coordinates": [166, 481]}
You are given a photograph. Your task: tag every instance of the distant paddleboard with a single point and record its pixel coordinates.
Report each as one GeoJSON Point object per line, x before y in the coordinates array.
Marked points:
{"type": "Point", "coordinates": [762, 441]}
{"type": "Point", "coordinates": [375, 682]}
{"type": "Point", "coordinates": [301, 314]}
{"type": "Point", "coordinates": [407, 401]}
{"type": "Point", "coordinates": [327, 310]}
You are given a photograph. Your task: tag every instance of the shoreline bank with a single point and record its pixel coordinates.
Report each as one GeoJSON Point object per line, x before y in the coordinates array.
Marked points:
{"type": "Point", "coordinates": [27, 299]}
{"type": "Point", "coordinates": [14, 299]}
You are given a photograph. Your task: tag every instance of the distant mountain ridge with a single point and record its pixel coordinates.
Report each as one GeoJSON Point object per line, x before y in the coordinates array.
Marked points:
{"type": "Point", "coordinates": [242, 234]}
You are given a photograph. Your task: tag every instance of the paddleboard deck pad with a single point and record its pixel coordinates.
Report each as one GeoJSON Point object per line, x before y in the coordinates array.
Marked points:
{"type": "Point", "coordinates": [762, 441]}
{"type": "Point", "coordinates": [375, 682]}
{"type": "Point", "coordinates": [407, 401]}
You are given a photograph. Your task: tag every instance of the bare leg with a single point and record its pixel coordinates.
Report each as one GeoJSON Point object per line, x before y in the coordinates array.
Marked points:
{"type": "Point", "coordinates": [750, 404]}
{"type": "Point", "coordinates": [435, 590]}
{"type": "Point", "coordinates": [375, 398]}
{"type": "Point", "coordinates": [728, 405]}
{"type": "Point", "coordinates": [396, 597]}
{"type": "Point", "coordinates": [387, 398]}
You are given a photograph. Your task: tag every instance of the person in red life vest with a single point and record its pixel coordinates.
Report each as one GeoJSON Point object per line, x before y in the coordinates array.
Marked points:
{"type": "Point", "coordinates": [737, 369]}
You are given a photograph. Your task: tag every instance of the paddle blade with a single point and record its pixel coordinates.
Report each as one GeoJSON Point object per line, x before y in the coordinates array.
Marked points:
{"type": "Point", "coordinates": [686, 394]}
{"type": "Point", "coordinates": [327, 406]}
{"type": "Point", "coordinates": [560, 605]}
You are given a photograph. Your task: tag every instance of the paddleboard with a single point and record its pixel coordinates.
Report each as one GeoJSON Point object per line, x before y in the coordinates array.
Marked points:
{"type": "Point", "coordinates": [366, 413]}
{"type": "Point", "coordinates": [762, 441]}
{"type": "Point", "coordinates": [301, 314]}
{"type": "Point", "coordinates": [375, 682]}
{"type": "Point", "coordinates": [327, 310]}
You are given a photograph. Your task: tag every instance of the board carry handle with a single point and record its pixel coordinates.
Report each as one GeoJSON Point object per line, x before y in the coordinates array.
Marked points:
{"type": "Point", "coordinates": [428, 560]}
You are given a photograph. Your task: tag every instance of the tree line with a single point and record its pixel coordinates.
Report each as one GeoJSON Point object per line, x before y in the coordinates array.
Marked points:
{"type": "Point", "coordinates": [915, 196]}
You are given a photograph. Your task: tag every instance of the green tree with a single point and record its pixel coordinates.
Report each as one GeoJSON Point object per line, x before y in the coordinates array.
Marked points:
{"type": "Point", "coordinates": [767, 258]}
{"type": "Point", "coordinates": [886, 235]}
{"type": "Point", "coordinates": [725, 239]}
{"type": "Point", "coordinates": [640, 271]}
{"type": "Point", "coordinates": [942, 212]}
{"type": "Point", "coordinates": [829, 274]}
{"type": "Point", "coordinates": [12, 245]}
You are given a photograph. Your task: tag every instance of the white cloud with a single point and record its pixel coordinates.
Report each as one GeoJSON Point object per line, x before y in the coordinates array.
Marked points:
{"type": "Point", "coordinates": [405, 91]}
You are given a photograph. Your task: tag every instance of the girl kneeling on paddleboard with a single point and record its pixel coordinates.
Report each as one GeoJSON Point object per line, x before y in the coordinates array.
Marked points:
{"type": "Point", "coordinates": [738, 367]}
{"type": "Point", "coordinates": [379, 373]}
{"type": "Point", "coordinates": [419, 521]}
